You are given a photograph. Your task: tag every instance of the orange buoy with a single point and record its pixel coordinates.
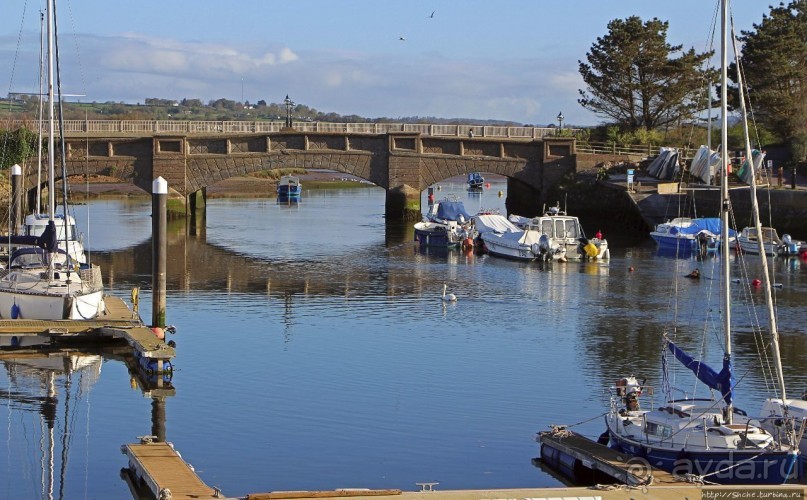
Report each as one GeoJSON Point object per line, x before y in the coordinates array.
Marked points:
{"type": "Point", "coordinates": [158, 332]}
{"type": "Point", "coordinates": [487, 185]}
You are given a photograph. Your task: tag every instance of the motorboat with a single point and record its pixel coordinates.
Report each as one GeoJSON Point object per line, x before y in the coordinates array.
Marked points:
{"type": "Point", "coordinates": [289, 187]}
{"type": "Point", "coordinates": [565, 231]}
{"type": "Point", "coordinates": [771, 242]}
{"type": "Point", "coordinates": [446, 224]}
{"type": "Point", "coordinates": [502, 238]}
{"type": "Point", "coordinates": [475, 181]}
{"type": "Point", "coordinates": [685, 235]}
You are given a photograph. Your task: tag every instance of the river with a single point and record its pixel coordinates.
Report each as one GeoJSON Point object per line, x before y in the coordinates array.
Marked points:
{"type": "Point", "coordinates": [314, 352]}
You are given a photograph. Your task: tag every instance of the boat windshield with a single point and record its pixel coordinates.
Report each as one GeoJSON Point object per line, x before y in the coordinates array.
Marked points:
{"type": "Point", "coordinates": [36, 257]}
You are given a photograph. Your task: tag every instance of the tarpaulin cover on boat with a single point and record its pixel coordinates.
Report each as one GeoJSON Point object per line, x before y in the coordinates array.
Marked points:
{"type": "Point", "coordinates": [711, 224]}
{"type": "Point", "coordinates": [722, 381]}
{"type": "Point", "coordinates": [451, 210]}
{"type": "Point", "coordinates": [494, 223]}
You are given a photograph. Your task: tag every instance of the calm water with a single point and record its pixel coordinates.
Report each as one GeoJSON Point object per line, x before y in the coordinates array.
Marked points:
{"type": "Point", "coordinates": [314, 353]}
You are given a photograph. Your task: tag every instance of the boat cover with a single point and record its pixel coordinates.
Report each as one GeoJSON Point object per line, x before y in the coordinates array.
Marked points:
{"type": "Point", "coordinates": [665, 166]}
{"type": "Point", "coordinates": [722, 381]}
{"type": "Point", "coordinates": [711, 224]}
{"type": "Point", "coordinates": [451, 210]}
{"type": "Point", "coordinates": [485, 223]}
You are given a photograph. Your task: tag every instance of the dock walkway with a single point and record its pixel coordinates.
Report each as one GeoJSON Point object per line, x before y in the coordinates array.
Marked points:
{"type": "Point", "coordinates": [158, 467]}
{"type": "Point", "coordinates": [599, 457]}
{"type": "Point", "coordinates": [117, 322]}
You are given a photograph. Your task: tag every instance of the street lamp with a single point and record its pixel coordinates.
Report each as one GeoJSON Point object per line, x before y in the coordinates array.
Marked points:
{"type": "Point", "coordinates": [560, 121]}
{"type": "Point", "coordinates": [289, 104]}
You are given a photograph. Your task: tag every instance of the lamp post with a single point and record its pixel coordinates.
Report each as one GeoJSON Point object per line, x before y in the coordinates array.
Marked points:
{"type": "Point", "coordinates": [560, 122]}
{"type": "Point", "coordinates": [289, 104]}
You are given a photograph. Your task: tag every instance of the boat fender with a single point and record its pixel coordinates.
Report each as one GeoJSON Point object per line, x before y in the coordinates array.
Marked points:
{"type": "Point", "coordinates": [16, 313]}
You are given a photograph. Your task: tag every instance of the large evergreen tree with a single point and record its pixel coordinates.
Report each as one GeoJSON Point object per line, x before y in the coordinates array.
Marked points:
{"type": "Point", "coordinates": [774, 61]}
{"type": "Point", "coordinates": [634, 78]}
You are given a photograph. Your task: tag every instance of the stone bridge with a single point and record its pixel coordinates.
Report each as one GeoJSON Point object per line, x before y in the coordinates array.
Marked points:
{"type": "Point", "coordinates": [403, 163]}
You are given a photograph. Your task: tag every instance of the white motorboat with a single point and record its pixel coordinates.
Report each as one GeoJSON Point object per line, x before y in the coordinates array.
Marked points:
{"type": "Point", "coordinates": [565, 231]}
{"type": "Point", "coordinates": [502, 238]}
{"type": "Point", "coordinates": [772, 244]}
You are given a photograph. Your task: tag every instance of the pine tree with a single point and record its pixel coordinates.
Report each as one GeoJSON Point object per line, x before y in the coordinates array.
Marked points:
{"type": "Point", "coordinates": [634, 78]}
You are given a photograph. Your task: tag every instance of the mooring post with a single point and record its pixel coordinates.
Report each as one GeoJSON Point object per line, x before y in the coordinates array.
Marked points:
{"type": "Point", "coordinates": [159, 221]}
{"type": "Point", "coordinates": [16, 198]}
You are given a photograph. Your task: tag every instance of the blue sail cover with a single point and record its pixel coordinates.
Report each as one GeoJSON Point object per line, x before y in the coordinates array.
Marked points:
{"type": "Point", "coordinates": [451, 210]}
{"type": "Point", "coordinates": [722, 381]}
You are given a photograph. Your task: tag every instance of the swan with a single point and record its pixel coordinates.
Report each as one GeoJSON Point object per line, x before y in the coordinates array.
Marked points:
{"type": "Point", "coordinates": [450, 297]}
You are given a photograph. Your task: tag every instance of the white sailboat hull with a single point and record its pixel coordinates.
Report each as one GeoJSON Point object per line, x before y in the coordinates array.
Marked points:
{"type": "Point", "coordinates": [52, 306]}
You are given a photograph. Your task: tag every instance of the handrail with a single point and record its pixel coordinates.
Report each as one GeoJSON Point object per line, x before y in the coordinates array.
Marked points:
{"type": "Point", "coordinates": [251, 127]}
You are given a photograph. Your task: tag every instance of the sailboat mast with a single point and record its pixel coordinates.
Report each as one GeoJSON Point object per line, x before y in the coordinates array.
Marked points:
{"type": "Point", "coordinates": [724, 187]}
{"type": "Point", "coordinates": [51, 131]}
{"type": "Point", "coordinates": [39, 115]}
{"type": "Point", "coordinates": [766, 278]}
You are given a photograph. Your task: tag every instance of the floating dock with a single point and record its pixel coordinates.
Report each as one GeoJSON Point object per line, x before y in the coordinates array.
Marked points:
{"type": "Point", "coordinates": [159, 469]}
{"type": "Point", "coordinates": [117, 322]}
{"type": "Point", "coordinates": [571, 451]}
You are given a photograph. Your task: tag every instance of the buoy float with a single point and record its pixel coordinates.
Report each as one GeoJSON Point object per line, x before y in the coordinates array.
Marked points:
{"type": "Point", "coordinates": [756, 283]}
{"type": "Point", "coordinates": [158, 332]}
{"type": "Point", "coordinates": [630, 269]}
{"type": "Point", "coordinates": [467, 243]}
{"type": "Point", "coordinates": [487, 185]}
{"type": "Point", "coordinates": [501, 194]}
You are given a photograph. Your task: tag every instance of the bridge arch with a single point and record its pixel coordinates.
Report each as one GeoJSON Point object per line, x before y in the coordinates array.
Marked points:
{"type": "Point", "coordinates": [403, 163]}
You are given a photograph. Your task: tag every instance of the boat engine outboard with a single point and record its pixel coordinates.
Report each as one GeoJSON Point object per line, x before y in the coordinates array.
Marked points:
{"type": "Point", "coordinates": [629, 389]}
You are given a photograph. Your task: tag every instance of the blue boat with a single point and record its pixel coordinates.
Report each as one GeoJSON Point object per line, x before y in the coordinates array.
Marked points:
{"type": "Point", "coordinates": [685, 236]}
{"type": "Point", "coordinates": [289, 187]}
{"type": "Point", "coordinates": [447, 224]}
{"type": "Point", "coordinates": [475, 181]}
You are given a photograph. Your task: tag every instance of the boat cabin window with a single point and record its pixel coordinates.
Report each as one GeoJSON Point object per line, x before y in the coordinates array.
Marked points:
{"type": "Point", "coordinates": [546, 228]}
{"type": "Point", "coordinates": [38, 229]}
{"type": "Point", "coordinates": [661, 430]}
{"type": "Point", "coordinates": [571, 229]}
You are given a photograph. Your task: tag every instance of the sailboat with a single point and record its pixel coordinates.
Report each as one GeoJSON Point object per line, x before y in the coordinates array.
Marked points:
{"type": "Point", "coordinates": [706, 440]}
{"type": "Point", "coordinates": [43, 282]}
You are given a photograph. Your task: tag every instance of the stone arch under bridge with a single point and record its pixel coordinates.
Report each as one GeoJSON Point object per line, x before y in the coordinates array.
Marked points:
{"type": "Point", "coordinates": [404, 164]}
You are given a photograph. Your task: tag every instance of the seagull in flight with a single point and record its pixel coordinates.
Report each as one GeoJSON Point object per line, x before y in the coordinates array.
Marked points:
{"type": "Point", "coordinates": [432, 16]}
{"type": "Point", "coordinates": [401, 38]}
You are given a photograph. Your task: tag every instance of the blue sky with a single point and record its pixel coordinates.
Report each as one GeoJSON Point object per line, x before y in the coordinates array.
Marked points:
{"type": "Point", "coordinates": [504, 59]}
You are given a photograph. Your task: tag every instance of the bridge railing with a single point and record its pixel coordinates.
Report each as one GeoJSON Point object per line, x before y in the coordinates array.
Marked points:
{"type": "Point", "coordinates": [146, 127]}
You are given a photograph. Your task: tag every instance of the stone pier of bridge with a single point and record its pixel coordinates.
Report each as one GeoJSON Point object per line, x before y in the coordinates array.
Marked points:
{"type": "Point", "coordinates": [403, 163]}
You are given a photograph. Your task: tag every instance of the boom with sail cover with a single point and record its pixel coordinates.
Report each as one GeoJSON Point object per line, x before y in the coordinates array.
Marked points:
{"type": "Point", "coordinates": [722, 381]}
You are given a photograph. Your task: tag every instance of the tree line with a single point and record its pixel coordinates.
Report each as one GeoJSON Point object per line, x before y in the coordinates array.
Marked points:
{"type": "Point", "coordinates": [643, 86]}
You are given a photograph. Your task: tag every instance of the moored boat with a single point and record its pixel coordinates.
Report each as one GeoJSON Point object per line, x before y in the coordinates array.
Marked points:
{"type": "Point", "coordinates": [475, 181]}
{"type": "Point", "coordinates": [289, 186]}
{"type": "Point", "coordinates": [684, 235]}
{"type": "Point", "coordinates": [772, 244]}
{"type": "Point", "coordinates": [446, 224]}
{"type": "Point", "coordinates": [502, 238]}
{"type": "Point", "coordinates": [565, 231]}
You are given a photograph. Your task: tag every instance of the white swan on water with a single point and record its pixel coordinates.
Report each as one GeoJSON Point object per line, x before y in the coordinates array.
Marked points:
{"type": "Point", "coordinates": [450, 297]}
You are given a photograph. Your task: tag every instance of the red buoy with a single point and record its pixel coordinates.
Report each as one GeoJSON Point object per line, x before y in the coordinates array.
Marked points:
{"type": "Point", "coordinates": [158, 332]}
{"type": "Point", "coordinates": [756, 283]}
